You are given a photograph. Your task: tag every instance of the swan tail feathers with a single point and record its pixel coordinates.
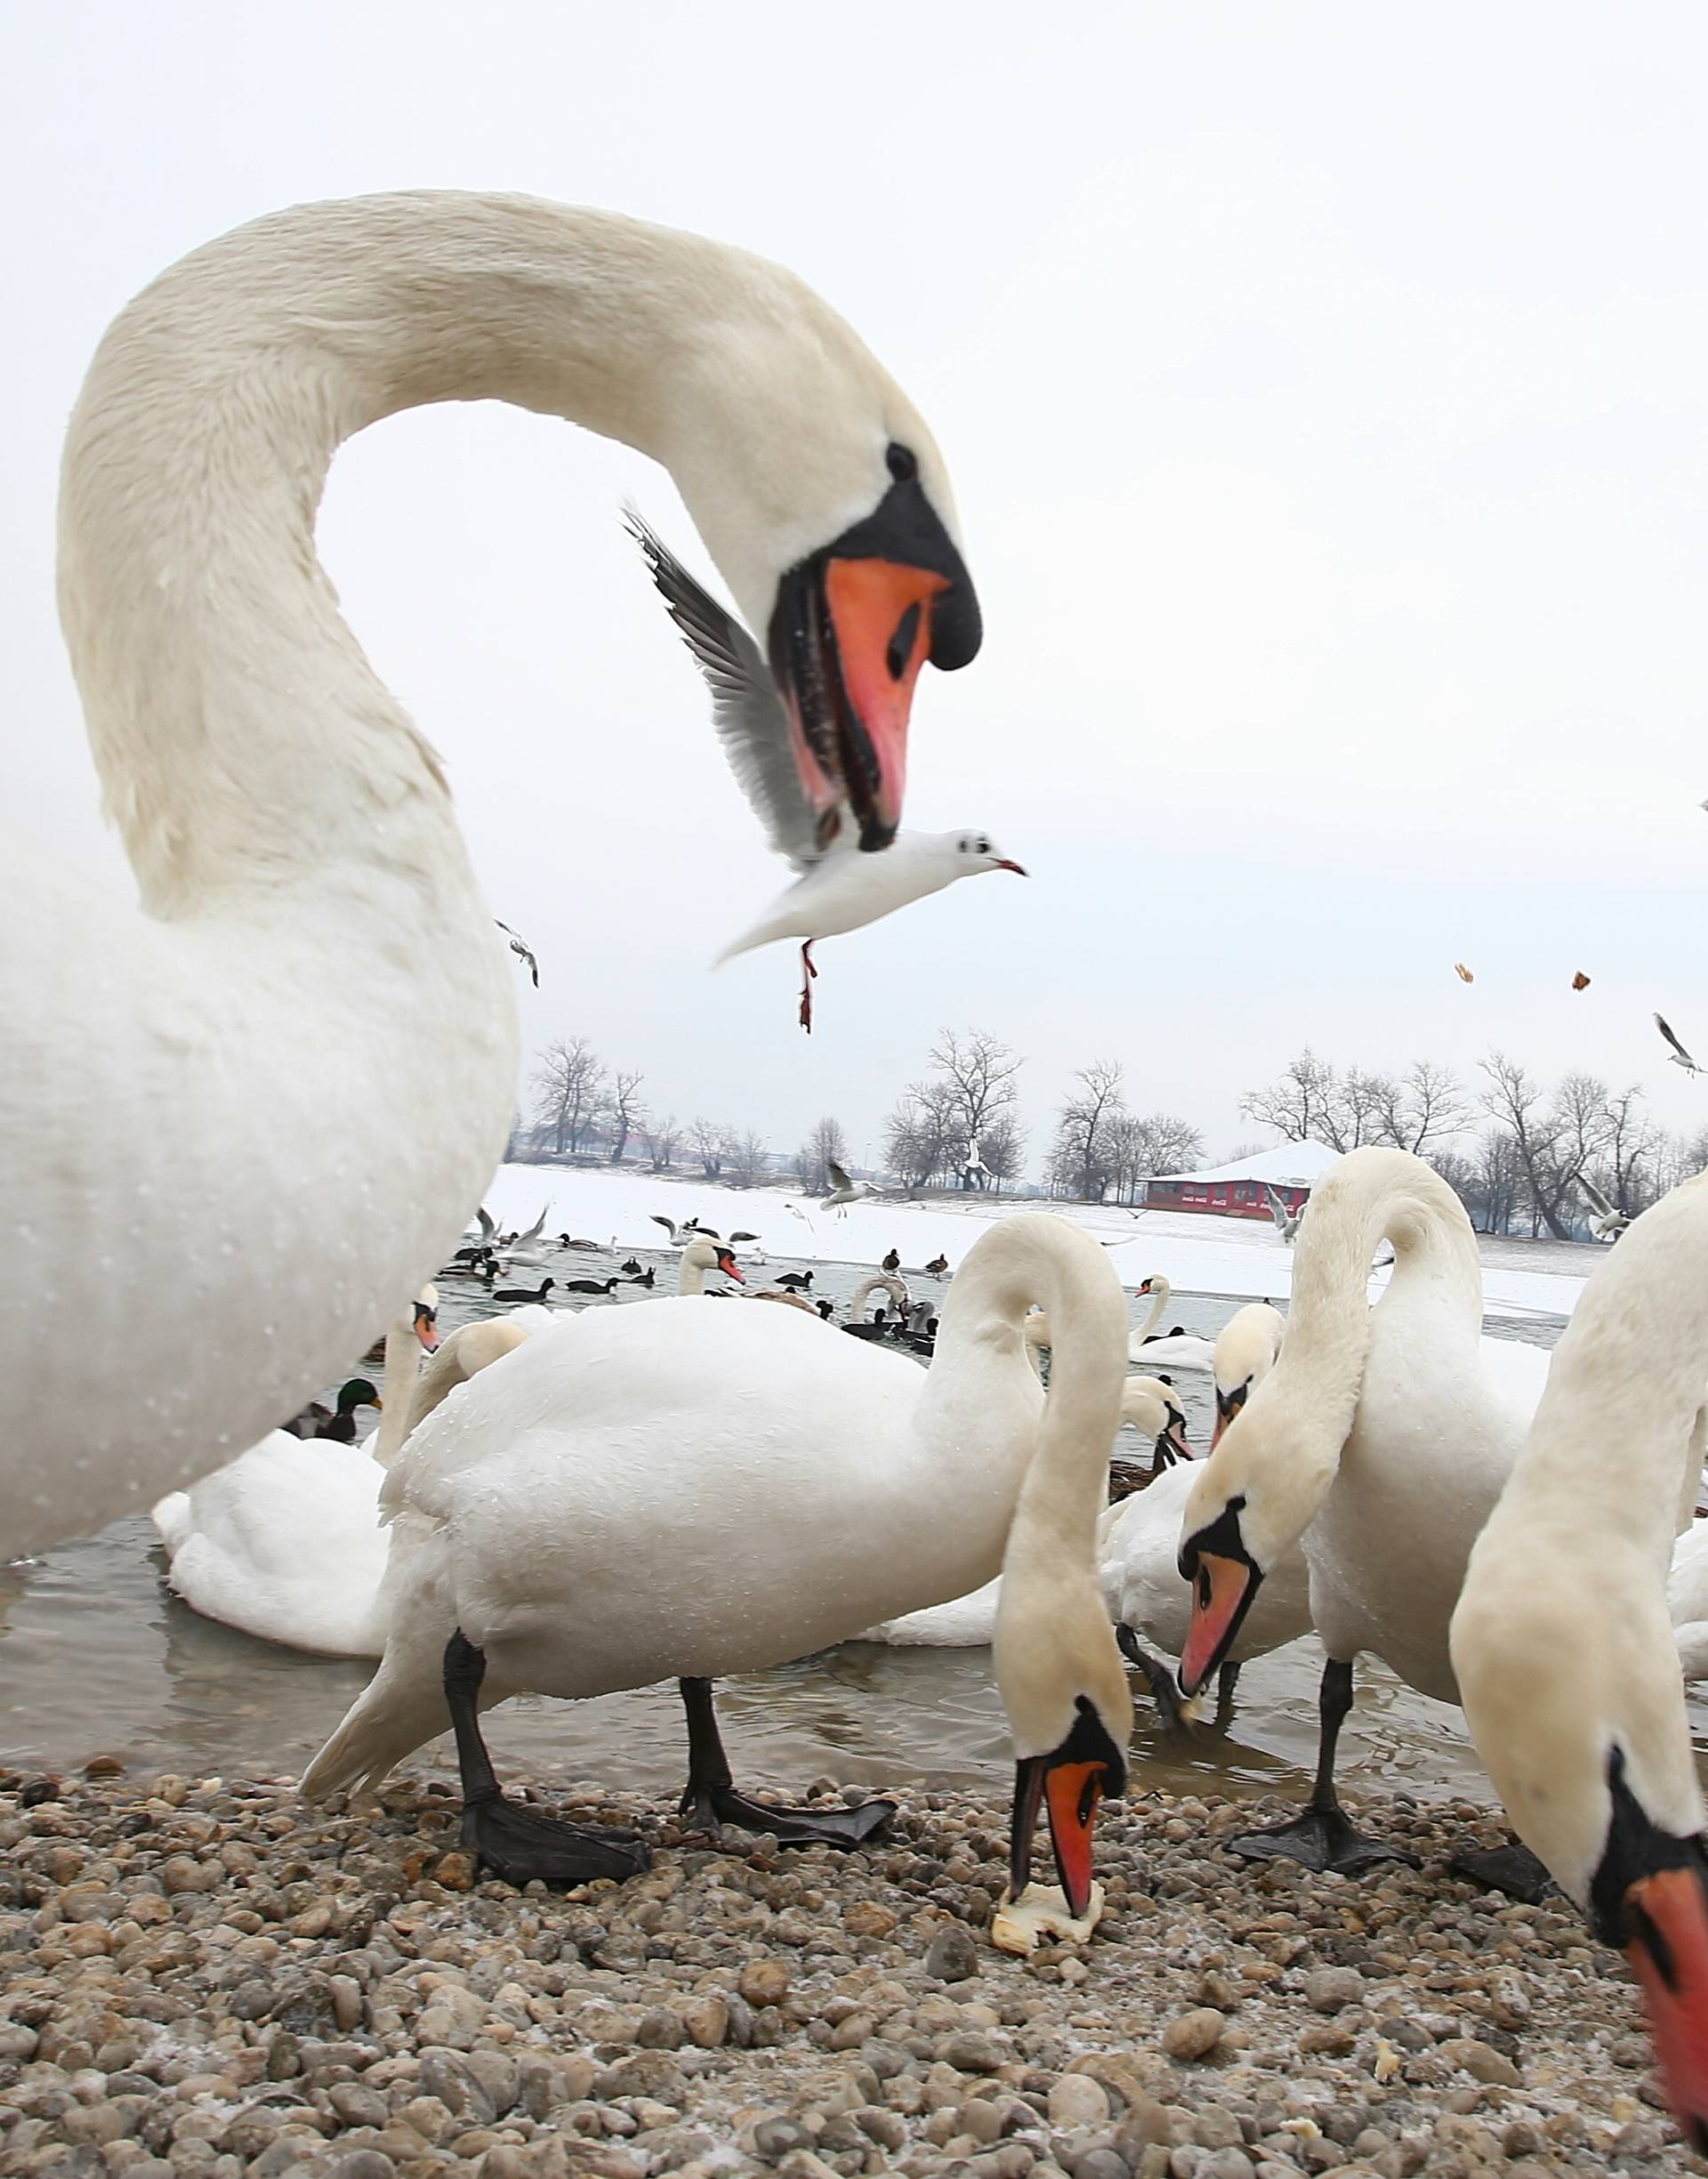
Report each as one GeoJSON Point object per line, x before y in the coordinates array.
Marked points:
{"type": "Point", "coordinates": [387, 1722]}
{"type": "Point", "coordinates": [171, 1516]}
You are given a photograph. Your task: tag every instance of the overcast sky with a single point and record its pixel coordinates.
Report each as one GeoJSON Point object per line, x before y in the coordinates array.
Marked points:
{"type": "Point", "coordinates": [1325, 391]}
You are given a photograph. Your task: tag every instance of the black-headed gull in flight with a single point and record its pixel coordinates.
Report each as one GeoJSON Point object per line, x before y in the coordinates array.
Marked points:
{"type": "Point", "coordinates": [838, 888]}
{"type": "Point", "coordinates": [523, 950]}
{"type": "Point", "coordinates": [1605, 1223]}
{"type": "Point", "coordinates": [1678, 1056]}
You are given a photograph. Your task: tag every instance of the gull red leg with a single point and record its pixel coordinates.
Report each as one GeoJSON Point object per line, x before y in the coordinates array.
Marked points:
{"type": "Point", "coordinates": [808, 972]}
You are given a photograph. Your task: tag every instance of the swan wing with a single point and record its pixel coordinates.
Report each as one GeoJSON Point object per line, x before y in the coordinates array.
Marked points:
{"type": "Point", "coordinates": [746, 710]}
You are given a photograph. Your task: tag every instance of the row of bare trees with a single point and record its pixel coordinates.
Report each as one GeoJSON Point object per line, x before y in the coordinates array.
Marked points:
{"type": "Point", "coordinates": [583, 1107]}
{"type": "Point", "coordinates": [1512, 1147]}
{"type": "Point", "coordinates": [1103, 1150]}
{"type": "Point", "coordinates": [959, 1125]}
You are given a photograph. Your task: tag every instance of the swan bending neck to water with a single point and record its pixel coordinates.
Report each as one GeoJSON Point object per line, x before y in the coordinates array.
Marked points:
{"type": "Point", "coordinates": [296, 856]}
{"type": "Point", "coordinates": [1561, 1639]}
{"type": "Point", "coordinates": [589, 1518]}
{"type": "Point", "coordinates": [1380, 1440]}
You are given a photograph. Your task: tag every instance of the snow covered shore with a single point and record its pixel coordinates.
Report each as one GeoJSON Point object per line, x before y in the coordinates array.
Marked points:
{"type": "Point", "coordinates": [1239, 1258]}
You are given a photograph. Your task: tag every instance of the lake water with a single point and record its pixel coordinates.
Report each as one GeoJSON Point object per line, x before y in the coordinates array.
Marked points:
{"type": "Point", "coordinates": [99, 1657]}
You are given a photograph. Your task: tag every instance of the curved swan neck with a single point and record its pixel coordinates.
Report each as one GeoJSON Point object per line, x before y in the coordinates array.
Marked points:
{"type": "Point", "coordinates": [1160, 1294]}
{"type": "Point", "coordinates": [397, 1417]}
{"type": "Point", "coordinates": [193, 604]}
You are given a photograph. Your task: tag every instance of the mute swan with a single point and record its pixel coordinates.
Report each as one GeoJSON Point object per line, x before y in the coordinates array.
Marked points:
{"type": "Point", "coordinates": [297, 855]}
{"type": "Point", "coordinates": [880, 1282]}
{"type": "Point", "coordinates": [1561, 1641]}
{"type": "Point", "coordinates": [661, 1492]}
{"type": "Point", "coordinates": [1382, 1437]}
{"type": "Point", "coordinates": [969, 1622]}
{"type": "Point", "coordinates": [835, 889]}
{"type": "Point", "coordinates": [284, 1542]}
{"type": "Point", "coordinates": [1244, 1355]}
{"type": "Point", "coordinates": [1176, 1350]}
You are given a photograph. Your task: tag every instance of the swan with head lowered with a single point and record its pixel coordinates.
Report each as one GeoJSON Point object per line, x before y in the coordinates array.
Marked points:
{"type": "Point", "coordinates": [671, 1491]}
{"type": "Point", "coordinates": [1562, 1643]}
{"type": "Point", "coordinates": [1379, 1443]}
{"type": "Point", "coordinates": [297, 860]}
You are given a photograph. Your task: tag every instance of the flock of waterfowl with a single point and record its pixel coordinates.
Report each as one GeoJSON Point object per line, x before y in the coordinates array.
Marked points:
{"type": "Point", "coordinates": [577, 1502]}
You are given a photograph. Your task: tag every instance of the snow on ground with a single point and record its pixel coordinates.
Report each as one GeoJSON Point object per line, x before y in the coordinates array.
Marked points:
{"type": "Point", "coordinates": [1239, 1257]}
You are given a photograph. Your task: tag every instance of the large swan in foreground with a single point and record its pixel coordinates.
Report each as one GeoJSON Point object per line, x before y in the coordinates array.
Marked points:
{"type": "Point", "coordinates": [1380, 1442]}
{"type": "Point", "coordinates": [1561, 1642]}
{"type": "Point", "coordinates": [300, 875]}
{"type": "Point", "coordinates": [681, 1492]}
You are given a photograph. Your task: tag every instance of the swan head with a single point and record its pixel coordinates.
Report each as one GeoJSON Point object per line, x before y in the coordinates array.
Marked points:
{"type": "Point", "coordinates": [424, 1318]}
{"type": "Point", "coordinates": [709, 1255]}
{"type": "Point", "coordinates": [1577, 1710]}
{"type": "Point", "coordinates": [1246, 1350]}
{"type": "Point", "coordinates": [1253, 1499]}
{"type": "Point", "coordinates": [1068, 1781]}
{"type": "Point", "coordinates": [821, 494]}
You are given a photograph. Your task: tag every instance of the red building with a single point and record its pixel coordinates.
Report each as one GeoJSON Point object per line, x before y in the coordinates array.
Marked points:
{"type": "Point", "coordinates": [1241, 1190]}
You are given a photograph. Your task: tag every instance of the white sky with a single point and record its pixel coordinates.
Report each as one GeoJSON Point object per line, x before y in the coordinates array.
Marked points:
{"type": "Point", "coordinates": [1325, 389]}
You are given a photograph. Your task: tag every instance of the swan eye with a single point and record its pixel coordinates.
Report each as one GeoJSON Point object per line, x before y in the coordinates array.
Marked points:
{"type": "Point", "coordinates": [901, 462]}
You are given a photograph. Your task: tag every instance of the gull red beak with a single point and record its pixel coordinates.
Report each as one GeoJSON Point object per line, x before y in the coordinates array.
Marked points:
{"type": "Point", "coordinates": [1002, 863]}
{"type": "Point", "coordinates": [1667, 1916]}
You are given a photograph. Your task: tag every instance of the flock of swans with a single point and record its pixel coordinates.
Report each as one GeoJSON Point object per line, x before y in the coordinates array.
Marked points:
{"type": "Point", "coordinates": [575, 1503]}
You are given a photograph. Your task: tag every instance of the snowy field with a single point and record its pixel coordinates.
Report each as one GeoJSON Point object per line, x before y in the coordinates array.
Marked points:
{"type": "Point", "coordinates": [1237, 1257]}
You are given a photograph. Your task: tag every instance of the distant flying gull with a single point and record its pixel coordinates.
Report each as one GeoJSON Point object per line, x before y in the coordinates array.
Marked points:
{"type": "Point", "coordinates": [1678, 1056]}
{"type": "Point", "coordinates": [844, 1192]}
{"type": "Point", "coordinates": [680, 1235]}
{"type": "Point", "coordinates": [523, 950]}
{"type": "Point", "coordinates": [1607, 1224]}
{"type": "Point", "coordinates": [1287, 1219]}
{"type": "Point", "coordinates": [839, 889]}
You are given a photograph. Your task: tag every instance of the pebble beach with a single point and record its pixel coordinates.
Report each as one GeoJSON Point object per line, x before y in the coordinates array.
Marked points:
{"type": "Point", "coordinates": [201, 1979]}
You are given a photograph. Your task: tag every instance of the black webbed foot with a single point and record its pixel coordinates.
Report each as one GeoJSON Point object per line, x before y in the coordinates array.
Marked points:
{"type": "Point", "coordinates": [1321, 1839]}
{"type": "Point", "coordinates": [520, 1845]}
{"type": "Point", "coordinates": [708, 1807]}
{"type": "Point", "coordinates": [1513, 1869]}
{"type": "Point", "coordinates": [1164, 1692]}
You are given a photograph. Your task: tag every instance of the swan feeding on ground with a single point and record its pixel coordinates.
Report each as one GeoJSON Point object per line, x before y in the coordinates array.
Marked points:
{"type": "Point", "coordinates": [1561, 1642]}
{"type": "Point", "coordinates": [675, 1492]}
{"type": "Point", "coordinates": [299, 870]}
{"type": "Point", "coordinates": [1381, 1441]}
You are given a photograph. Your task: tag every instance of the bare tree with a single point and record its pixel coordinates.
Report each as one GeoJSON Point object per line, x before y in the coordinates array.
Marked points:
{"type": "Point", "coordinates": [1425, 1105]}
{"type": "Point", "coordinates": [569, 1081]}
{"type": "Point", "coordinates": [1082, 1163]}
{"type": "Point", "coordinates": [711, 1139]}
{"type": "Point", "coordinates": [827, 1141]}
{"type": "Point", "coordinates": [663, 1139]}
{"type": "Point", "coordinates": [1514, 1101]}
{"type": "Point", "coordinates": [978, 1071]}
{"type": "Point", "coordinates": [1296, 1104]}
{"type": "Point", "coordinates": [1002, 1148]}
{"type": "Point", "coordinates": [628, 1108]}
{"type": "Point", "coordinates": [922, 1133]}
{"type": "Point", "coordinates": [745, 1160]}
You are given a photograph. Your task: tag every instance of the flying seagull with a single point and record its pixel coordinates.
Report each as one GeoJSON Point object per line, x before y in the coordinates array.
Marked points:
{"type": "Point", "coordinates": [843, 1190]}
{"type": "Point", "coordinates": [1678, 1056]}
{"type": "Point", "coordinates": [523, 950]}
{"type": "Point", "coordinates": [837, 887]}
{"type": "Point", "coordinates": [690, 1230]}
{"type": "Point", "coordinates": [1287, 1219]}
{"type": "Point", "coordinates": [1606, 1224]}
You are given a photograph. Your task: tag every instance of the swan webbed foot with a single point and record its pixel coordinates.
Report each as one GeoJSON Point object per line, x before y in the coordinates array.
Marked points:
{"type": "Point", "coordinates": [1513, 1869]}
{"type": "Point", "coordinates": [1321, 1839]}
{"type": "Point", "coordinates": [708, 1807]}
{"type": "Point", "coordinates": [1164, 1692]}
{"type": "Point", "coordinates": [520, 1845]}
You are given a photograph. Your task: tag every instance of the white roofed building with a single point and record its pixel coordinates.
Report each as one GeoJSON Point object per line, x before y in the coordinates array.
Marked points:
{"type": "Point", "coordinates": [1240, 1189]}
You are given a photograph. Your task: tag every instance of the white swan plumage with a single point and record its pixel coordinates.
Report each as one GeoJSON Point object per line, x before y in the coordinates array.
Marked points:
{"type": "Point", "coordinates": [1562, 1643]}
{"type": "Point", "coordinates": [284, 1542]}
{"type": "Point", "coordinates": [299, 866]}
{"type": "Point", "coordinates": [673, 1491]}
{"type": "Point", "coordinates": [1381, 1441]}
